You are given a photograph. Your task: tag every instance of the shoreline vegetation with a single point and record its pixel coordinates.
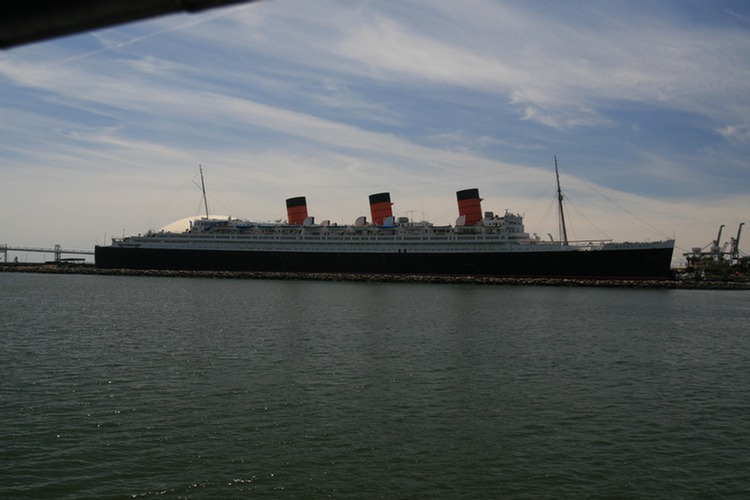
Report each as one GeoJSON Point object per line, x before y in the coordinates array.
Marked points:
{"type": "Point", "coordinates": [89, 269]}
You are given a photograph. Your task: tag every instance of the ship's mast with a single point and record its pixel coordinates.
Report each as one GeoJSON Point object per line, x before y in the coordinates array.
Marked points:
{"type": "Point", "coordinates": [203, 187]}
{"type": "Point", "coordinates": [560, 206]}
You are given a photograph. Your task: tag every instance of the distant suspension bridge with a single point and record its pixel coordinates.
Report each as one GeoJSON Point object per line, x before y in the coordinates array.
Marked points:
{"type": "Point", "coordinates": [57, 251]}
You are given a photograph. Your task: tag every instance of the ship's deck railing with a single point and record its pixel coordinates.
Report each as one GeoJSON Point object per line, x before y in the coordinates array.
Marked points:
{"type": "Point", "coordinates": [515, 231]}
{"type": "Point", "coordinates": [322, 237]}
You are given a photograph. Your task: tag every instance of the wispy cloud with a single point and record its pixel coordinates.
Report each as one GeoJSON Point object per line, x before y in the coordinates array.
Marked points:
{"type": "Point", "coordinates": [647, 104]}
{"type": "Point", "coordinates": [740, 133]}
{"type": "Point", "coordinates": [199, 19]}
{"type": "Point", "coordinates": [545, 62]}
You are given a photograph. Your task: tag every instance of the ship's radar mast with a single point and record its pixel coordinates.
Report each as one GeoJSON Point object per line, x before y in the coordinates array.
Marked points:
{"type": "Point", "coordinates": [563, 231]}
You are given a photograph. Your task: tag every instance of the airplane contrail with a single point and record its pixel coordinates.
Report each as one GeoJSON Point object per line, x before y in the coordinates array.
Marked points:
{"type": "Point", "coordinates": [194, 22]}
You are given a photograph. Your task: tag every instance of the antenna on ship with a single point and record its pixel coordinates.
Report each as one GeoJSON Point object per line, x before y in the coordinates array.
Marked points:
{"type": "Point", "coordinates": [560, 204]}
{"type": "Point", "coordinates": [203, 187]}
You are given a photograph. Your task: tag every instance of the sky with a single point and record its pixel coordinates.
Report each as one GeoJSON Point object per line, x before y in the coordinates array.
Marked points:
{"type": "Point", "coordinates": [645, 104]}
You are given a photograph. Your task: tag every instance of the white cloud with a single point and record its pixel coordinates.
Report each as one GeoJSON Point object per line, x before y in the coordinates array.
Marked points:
{"type": "Point", "coordinates": [740, 133]}
{"type": "Point", "coordinates": [333, 99]}
{"type": "Point", "coordinates": [537, 61]}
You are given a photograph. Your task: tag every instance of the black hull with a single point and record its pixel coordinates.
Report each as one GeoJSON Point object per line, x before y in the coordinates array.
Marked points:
{"type": "Point", "coordinates": [649, 263]}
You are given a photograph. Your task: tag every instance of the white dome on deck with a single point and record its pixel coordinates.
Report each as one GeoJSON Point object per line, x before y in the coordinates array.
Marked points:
{"type": "Point", "coordinates": [182, 225]}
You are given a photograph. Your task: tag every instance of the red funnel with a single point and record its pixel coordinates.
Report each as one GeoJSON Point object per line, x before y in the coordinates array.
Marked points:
{"type": "Point", "coordinates": [380, 207]}
{"type": "Point", "coordinates": [470, 205]}
{"type": "Point", "coordinates": [296, 210]}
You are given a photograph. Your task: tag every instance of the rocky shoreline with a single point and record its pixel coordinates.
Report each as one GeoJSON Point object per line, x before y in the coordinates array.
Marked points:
{"type": "Point", "coordinates": [380, 278]}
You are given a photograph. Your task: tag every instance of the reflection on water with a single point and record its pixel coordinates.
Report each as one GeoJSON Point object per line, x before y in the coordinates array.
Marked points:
{"type": "Point", "coordinates": [195, 388]}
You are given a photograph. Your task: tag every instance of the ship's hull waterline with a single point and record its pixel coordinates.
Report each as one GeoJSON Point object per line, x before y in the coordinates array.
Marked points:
{"type": "Point", "coordinates": [652, 262]}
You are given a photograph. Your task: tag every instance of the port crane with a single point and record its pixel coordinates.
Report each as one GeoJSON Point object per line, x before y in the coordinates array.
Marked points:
{"type": "Point", "coordinates": [717, 251]}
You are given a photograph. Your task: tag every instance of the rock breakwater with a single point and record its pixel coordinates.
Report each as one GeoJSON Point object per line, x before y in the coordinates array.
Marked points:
{"type": "Point", "coordinates": [381, 278]}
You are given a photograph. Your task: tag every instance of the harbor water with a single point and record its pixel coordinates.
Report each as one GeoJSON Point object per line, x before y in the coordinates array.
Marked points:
{"type": "Point", "coordinates": [136, 387]}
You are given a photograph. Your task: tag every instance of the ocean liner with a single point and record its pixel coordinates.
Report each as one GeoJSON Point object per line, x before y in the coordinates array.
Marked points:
{"type": "Point", "coordinates": [479, 244]}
